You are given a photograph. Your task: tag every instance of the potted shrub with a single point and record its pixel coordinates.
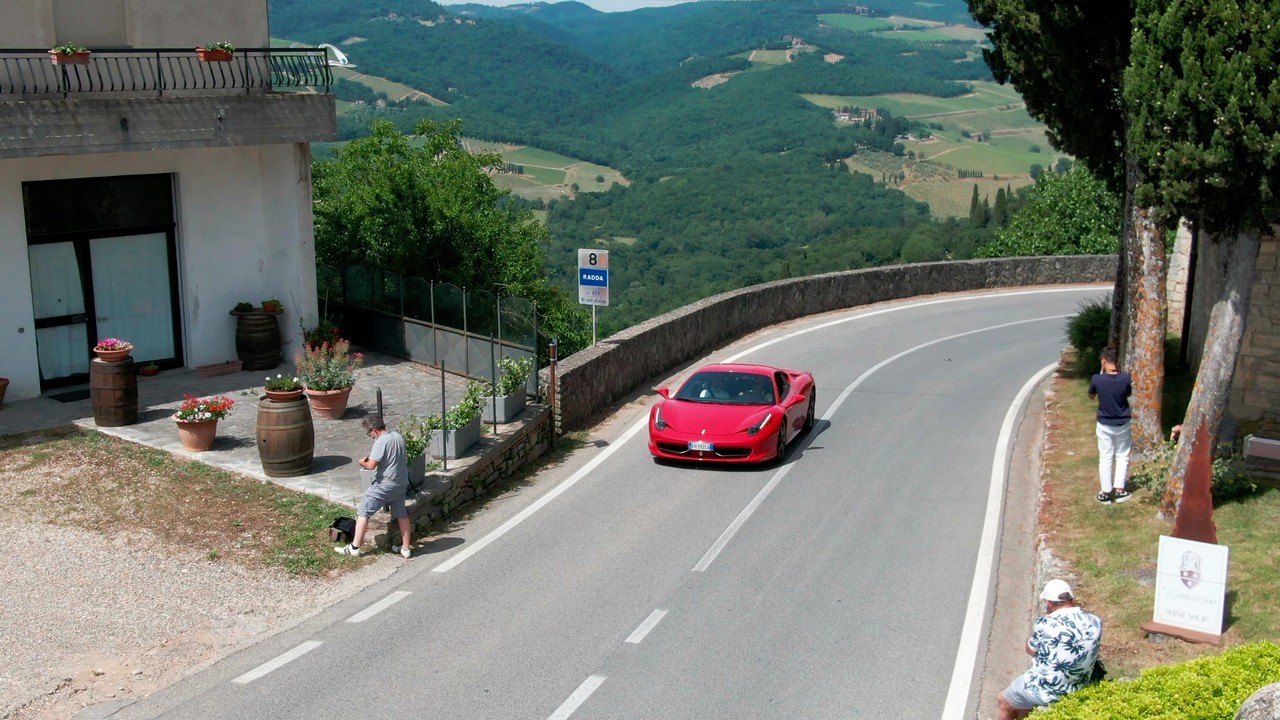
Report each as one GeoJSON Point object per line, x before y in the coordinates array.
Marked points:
{"type": "Point", "coordinates": [460, 428]}
{"type": "Point", "coordinates": [149, 370]}
{"type": "Point", "coordinates": [197, 420]}
{"type": "Point", "coordinates": [219, 51]}
{"type": "Point", "coordinates": [325, 332]}
{"type": "Point", "coordinates": [506, 401]}
{"type": "Point", "coordinates": [416, 431]}
{"type": "Point", "coordinates": [327, 374]}
{"type": "Point", "coordinates": [282, 388]}
{"type": "Point", "coordinates": [243, 308]}
{"type": "Point", "coordinates": [273, 306]}
{"type": "Point", "coordinates": [69, 54]}
{"type": "Point", "coordinates": [112, 349]}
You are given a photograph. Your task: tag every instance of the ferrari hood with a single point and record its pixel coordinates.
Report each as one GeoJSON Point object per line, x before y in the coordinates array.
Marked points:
{"type": "Point", "coordinates": [714, 418]}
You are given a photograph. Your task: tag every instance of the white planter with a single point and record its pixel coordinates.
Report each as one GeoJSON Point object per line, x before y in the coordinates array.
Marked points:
{"type": "Point", "coordinates": [456, 442]}
{"type": "Point", "coordinates": [418, 470]}
{"type": "Point", "coordinates": [509, 406]}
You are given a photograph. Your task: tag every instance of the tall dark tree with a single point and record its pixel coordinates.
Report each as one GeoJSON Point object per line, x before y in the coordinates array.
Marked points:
{"type": "Point", "coordinates": [1068, 60]}
{"type": "Point", "coordinates": [1205, 88]}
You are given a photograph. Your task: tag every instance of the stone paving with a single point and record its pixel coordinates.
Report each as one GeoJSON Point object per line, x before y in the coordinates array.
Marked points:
{"type": "Point", "coordinates": [407, 389]}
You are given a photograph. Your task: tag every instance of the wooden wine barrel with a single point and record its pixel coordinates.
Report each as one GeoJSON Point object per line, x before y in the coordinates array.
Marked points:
{"type": "Point", "coordinates": [258, 340]}
{"type": "Point", "coordinates": [113, 391]}
{"type": "Point", "coordinates": [286, 437]}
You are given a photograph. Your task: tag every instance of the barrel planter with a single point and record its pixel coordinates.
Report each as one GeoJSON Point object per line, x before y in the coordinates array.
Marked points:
{"type": "Point", "coordinates": [257, 340]}
{"type": "Point", "coordinates": [286, 437]}
{"type": "Point", "coordinates": [113, 392]}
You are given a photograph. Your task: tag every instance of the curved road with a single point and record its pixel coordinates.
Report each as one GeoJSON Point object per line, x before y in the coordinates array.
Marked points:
{"type": "Point", "coordinates": [851, 582]}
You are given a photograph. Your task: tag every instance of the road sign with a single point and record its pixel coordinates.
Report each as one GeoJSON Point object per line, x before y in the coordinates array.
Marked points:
{"type": "Point", "coordinates": [593, 277]}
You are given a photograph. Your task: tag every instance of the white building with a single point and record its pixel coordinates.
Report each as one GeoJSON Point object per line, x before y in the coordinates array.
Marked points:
{"type": "Point", "coordinates": [145, 193]}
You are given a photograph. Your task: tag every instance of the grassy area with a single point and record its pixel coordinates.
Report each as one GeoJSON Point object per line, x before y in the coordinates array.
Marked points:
{"type": "Point", "coordinates": [858, 23]}
{"type": "Point", "coordinates": [1111, 550]}
{"type": "Point", "coordinates": [101, 483]}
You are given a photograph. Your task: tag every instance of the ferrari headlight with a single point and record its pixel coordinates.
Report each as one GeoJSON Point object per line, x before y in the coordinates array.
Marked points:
{"type": "Point", "coordinates": [658, 422]}
{"type": "Point", "coordinates": [754, 429]}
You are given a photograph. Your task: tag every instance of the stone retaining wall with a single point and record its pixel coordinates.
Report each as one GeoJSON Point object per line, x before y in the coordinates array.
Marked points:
{"type": "Point", "coordinates": [494, 459]}
{"type": "Point", "coordinates": [592, 380]}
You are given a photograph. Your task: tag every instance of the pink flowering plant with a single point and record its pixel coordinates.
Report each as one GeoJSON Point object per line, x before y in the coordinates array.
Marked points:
{"type": "Point", "coordinates": [328, 366]}
{"type": "Point", "coordinates": [109, 344]}
{"type": "Point", "coordinates": [197, 409]}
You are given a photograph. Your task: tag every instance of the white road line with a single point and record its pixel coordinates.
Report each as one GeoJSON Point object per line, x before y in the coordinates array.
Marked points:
{"type": "Point", "coordinates": [970, 640]}
{"type": "Point", "coordinates": [746, 513]}
{"type": "Point", "coordinates": [279, 662]}
{"type": "Point", "coordinates": [379, 606]}
{"type": "Point", "coordinates": [578, 697]}
{"type": "Point", "coordinates": [649, 623]}
{"type": "Point", "coordinates": [537, 505]}
{"type": "Point", "coordinates": [898, 308]}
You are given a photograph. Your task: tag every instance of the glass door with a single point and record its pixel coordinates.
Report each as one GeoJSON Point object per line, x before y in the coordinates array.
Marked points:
{"type": "Point", "coordinates": [62, 331]}
{"type": "Point", "coordinates": [132, 298]}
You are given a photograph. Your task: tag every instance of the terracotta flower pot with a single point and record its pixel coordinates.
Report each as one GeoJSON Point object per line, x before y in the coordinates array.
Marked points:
{"type": "Point", "coordinates": [197, 436]}
{"type": "Point", "coordinates": [113, 355]}
{"type": "Point", "coordinates": [213, 55]}
{"type": "Point", "coordinates": [329, 404]}
{"type": "Point", "coordinates": [78, 58]}
{"type": "Point", "coordinates": [148, 370]}
{"type": "Point", "coordinates": [282, 395]}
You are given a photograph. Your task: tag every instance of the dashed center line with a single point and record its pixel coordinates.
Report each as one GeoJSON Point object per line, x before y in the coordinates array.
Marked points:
{"type": "Point", "coordinates": [578, 697]}
{"type": "Point", "coordinates": [279, 662]}
{"type": "Point", "coordinates": [379, 606]}
{"type": "Point", "coordinates": [649, 623]}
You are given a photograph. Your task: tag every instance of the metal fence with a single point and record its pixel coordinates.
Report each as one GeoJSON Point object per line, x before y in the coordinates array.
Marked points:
{"type": "Point", "coordinates": [437, 324]}
{"type": "Point", "coordinates": [162, 71]}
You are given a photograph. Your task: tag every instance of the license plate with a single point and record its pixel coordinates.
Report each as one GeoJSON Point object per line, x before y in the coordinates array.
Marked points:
{"type": "Point", "coordinates": [701, 446]}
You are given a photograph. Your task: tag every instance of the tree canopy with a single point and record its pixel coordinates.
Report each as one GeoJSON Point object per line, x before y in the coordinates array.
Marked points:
{"type": "Point", "coordinates": [423, 206]}
{"type": "Point", "coordinates": [1070, 213]}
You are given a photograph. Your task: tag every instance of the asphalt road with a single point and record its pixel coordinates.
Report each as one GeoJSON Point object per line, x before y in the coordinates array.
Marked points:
{"type": "Point", "coordinates": [851, 582]}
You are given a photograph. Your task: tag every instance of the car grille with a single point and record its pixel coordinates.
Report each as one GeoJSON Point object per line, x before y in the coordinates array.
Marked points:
{"type": "Point", "coordinates": [723, 452]}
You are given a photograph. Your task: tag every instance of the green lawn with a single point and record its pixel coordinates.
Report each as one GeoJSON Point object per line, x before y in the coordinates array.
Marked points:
{"type": "Point", "coordinates": [770, 57]}
{"type": "Point", "coordinates": [858, 23]}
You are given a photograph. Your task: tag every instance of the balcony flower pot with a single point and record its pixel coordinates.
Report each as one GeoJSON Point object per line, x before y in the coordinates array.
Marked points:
{"type": "Point", "coordinates": [455, 442]}
{"type": "Point", "coordinates": [197, 435]}
{"type": "Point", "coordinates": [329, 404]}
{"type": "Point", "coordinates": [213, 55]}
{"type": "Point", "coordinates": [508, 407]}
{"type": "Point", "coordinates": [74, 58]}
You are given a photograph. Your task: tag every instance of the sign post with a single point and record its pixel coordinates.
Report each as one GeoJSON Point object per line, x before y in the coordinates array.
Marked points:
{"type": "Point", "coordinates": [1191, 588]}
{"type": "Point", "coordinates": [593, 282]}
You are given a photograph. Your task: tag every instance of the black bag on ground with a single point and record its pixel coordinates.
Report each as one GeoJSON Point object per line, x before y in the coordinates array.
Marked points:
{"type": "Point", "coordinates": [1099, 671]}
{"type": "Point", "coordinates": [342, 529]}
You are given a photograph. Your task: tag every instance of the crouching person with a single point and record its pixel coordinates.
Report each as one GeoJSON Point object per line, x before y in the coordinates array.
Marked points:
{"type": "Point", "coordinates": [390, 481]}
{"type": "Point", "coordinates": [1064, 646]}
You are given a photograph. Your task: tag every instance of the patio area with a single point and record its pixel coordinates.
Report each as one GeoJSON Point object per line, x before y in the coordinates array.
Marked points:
{"type": "Point", "coordinates": [407, 389]}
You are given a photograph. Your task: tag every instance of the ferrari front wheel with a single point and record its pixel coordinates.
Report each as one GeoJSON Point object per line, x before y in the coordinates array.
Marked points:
{"type": "Point", "coordinates": [813, 404]}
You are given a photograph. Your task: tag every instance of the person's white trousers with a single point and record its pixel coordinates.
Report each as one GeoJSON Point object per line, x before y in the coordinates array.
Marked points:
{"type": "Point", "coordinates": [1114, 444]}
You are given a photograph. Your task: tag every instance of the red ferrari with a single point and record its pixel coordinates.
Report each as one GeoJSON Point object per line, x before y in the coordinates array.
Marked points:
{"type": "Point", "coordinates": [732, 413]}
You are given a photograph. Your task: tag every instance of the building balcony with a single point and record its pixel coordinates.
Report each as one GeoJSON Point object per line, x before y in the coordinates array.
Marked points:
{"type": "Point", "coordinates": [160, 98]}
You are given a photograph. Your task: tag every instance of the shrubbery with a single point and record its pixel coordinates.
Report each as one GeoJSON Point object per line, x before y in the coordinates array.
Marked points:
{"type": "Point", "coordinates": [1088, 333]}
{"type": "Point", "coordinates": [1207, 688]}
{"type": "Point", "coordinates": [1229, 480]}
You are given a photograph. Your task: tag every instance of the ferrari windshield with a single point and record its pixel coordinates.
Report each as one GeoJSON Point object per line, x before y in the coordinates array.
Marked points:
{"type": "Point", "coordinates": [734, 388]}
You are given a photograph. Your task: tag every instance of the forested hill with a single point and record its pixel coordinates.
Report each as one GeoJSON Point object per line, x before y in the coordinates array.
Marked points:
{"type": "Point", "coordinates": [736, 175]}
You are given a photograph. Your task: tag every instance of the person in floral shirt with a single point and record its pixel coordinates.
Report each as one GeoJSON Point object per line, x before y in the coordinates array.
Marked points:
{"type": "Point", "coordinates": [1064, 646]}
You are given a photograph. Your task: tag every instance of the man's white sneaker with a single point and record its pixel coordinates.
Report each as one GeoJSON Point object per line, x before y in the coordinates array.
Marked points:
{"type": "Point", "coordinates": [348, 550]}
{"type": "Point", "coordinates": [404, 552]}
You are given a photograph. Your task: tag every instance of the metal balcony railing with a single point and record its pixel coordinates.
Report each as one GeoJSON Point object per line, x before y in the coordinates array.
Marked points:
{"type": "Point", "coordinates": [161, 71]}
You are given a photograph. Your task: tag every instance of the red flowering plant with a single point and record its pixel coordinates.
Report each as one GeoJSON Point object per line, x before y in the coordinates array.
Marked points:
{"type": "Point", "coordinates": [329, 366]}
{"type": "Point", "coordinates": [109, 344]}
{"type": "Point", "coordinates": [325, 332]}
{"type": "Point", "coordinates": [197, 409]}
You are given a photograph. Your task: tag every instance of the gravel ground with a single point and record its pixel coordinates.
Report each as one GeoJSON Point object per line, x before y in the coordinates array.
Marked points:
{"type": "Point", "coordinates": [92, 618]}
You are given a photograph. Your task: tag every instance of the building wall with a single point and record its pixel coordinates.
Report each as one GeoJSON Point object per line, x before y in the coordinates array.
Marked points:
{"type": "Point", "coordinates": [1255, 388]}
{"type": "Point", "coordinates": [133, 23]}
{"type": "Point", "coordinates": [244, 233]}
{"type": "Point", "coordinates": [1176, 278]}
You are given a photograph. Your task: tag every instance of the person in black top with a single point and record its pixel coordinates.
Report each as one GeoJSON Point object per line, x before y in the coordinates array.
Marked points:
{"type": "Point", "coordinates": [1112, 389]}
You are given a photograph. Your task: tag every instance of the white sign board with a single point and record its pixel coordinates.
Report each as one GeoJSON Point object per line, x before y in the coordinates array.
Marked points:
{"type": "Point", "coordinates": [1191, 585]}
{"type": "Point", "coordinates": [593, 277]}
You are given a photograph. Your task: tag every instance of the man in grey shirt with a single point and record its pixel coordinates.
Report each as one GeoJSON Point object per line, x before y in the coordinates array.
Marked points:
{"type": "Point", "coordinates": [390, 482]}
